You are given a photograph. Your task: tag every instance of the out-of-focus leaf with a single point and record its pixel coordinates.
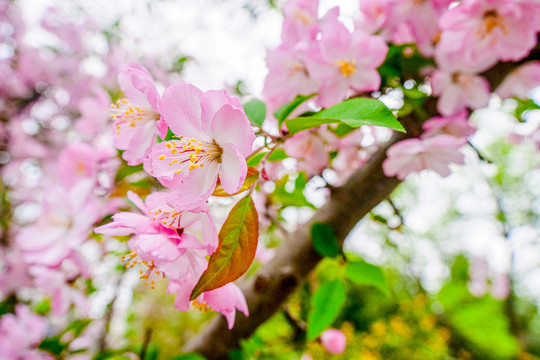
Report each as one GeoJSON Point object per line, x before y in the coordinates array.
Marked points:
{"type": "Point", "coordinates": [326, 305]}
{"type": "Point", "coordinates": [256, 111]}
{"type": "Point", "coordinates": [324, 240]}
{"type": "Point", "coordinates": [255, 160]}
{"type": "Point", "coordinates": [236, 250]}
{"type": "Point", "coordinates": [295, 197]}
{"type": "Point", "coordinates": [284, 111]}
{"type": "Point", "coordinates": [192, 356]}
{"type": "Point", "coordinates": [364, 273]}
{"type": "Point", "coordinates": [354, 113]}
{"type": "Point", "coordinates": [251, 177]}
{"type": "Point", "coordinates": [277, 155]}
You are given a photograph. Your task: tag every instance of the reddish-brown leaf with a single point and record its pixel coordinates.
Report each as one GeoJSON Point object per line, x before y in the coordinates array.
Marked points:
{"type": "Point", "coordinates": [236, 250]}
{"type": "Point", "coordinates": [251, 178]}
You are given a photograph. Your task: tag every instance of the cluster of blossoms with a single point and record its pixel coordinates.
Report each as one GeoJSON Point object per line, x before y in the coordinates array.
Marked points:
{"type": "Point", "coordinates": [58, 166]}
{"type": "Point", "coordinates": [320, 55]}
{"type": "Point", "coordinates": [211, 139]}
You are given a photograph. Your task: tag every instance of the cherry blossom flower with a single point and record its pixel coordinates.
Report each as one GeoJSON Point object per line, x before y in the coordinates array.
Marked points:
{"type": "Point", "coordinates": [520, 81]}
{"type": "Point", "coordinates": [225, 300]}
{"type": "Point", "coordinates": [213, 137]}
{"type": "Point", "coordinates": [136, 117]}
{"type": "Point", "coordinates": [310, 149]}
{"type": "Point", "coordinates": [412, 155]}
{"type": "Point", "coordinates": [287, 75]}
{"type": "Point", "coordinates": [456, 125]}
{"type": "Point", "coordinates": [20, 335]}
{"type": "Point", "coordinates": [301, 21]}
{"type": "Point", "coordinates": [478, 33]}
{"type": "Point", "coordinates": [458, 90]}
{"type": "Point", "coordinates": [345, 62]}
{"type": "Point", "coordinates": [158, 247]}
{"type": "Point", "coordinates": [63, 226]}
{"type": "Point", "coordinates": [334, 341]}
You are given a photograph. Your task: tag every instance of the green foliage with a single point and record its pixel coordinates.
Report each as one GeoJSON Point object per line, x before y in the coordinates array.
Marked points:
{"type": "Point", "coordinates": [353, 113]}
{"type": "Point", "coordinates": [277, 155]}
{"type": "Point", "coordinates": [296, 197]}
{"type": "Point", "coordinates": [480, 322]}
{"type": "Point", "coordinates": [326, 305]}
{"type": "Point", "coordinates": [256, 111]}
{"type": "Point", "coordinates": [364, 273]}
{"type": "Point", "coordinates": [283, 112]}
{"type": "Point", "coordinates": [324, 240]}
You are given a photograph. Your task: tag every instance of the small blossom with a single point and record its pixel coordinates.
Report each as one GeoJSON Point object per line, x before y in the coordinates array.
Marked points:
{"type": "Point", "coordinates": [213, 137]}
{"type": "Point", "coordinates": [413, 155]}
{"type": "Point", "coordinates": [456, 125]}
{"type": "Point", "coordinates": [136, 117]}
{"type": "Point", "coordinates": [345, 62]}
{"type": "Point", "coordinates": [478, 33]}
{"type": "Point", "coordinates": [334, 341]}
{"type": "Point", "coordinates": [520, 81]}
{"type": "Point", "coordinates": [458, 91]}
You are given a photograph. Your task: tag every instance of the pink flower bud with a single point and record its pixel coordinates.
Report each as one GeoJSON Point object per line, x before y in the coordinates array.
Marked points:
{"type": "Point", "coordinates": [334, 341]}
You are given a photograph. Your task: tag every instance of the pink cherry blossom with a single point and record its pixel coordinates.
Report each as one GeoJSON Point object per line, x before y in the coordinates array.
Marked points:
{"type": "Point", "coordinates": [334, 341]}
{"type": "Point", "coordinates": [164, 250]}
{"type": "Point", "coordinates": [520, 81]}
{"type": "Point", "coordinates": [310, 149]}
{"type": "Point", "coordinates": [413, 155]}
{"type": "Point", "coordinates": [456, 125]}
{"type": "Point", "coordinates": [301, 21]}
{"type": "Point", "coordinates": [20, 335]}
{"type": "Point", "coordinates": [478, 33]}
{"type": "Point", "coordinates": [213, 137]}
{"type": "Point", "coordinates": [458, 91]}
{"type": "Point", "coordinates": [62, 227]}
{"type": "Point", "coordinates": [136, 117]}
{"type": "Point", "coordinates": [94, 114]}
{"type": "Point", "coordinates": [344, 62]}
{"type": "Point", "coordinates": [287, 75]}
{"type": "Point", "coordinates": [77, 162]}
{"type": "Point", "coordinates": [226, 300]}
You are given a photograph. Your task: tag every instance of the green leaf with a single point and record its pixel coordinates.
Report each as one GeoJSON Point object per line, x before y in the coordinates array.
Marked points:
{"type": "Point", "coordinates": [324, 240]}
{"type": "Point", "coordinates": [191, 356]}
{"type": "Point", "coordinates": [277, 155]}
{"type": "Point", "coordinates": [326, 305]}
{"type": "Point", "coordinates": [366, 274]}
{"type": "Point", "coordinates": [255, 160]}
{"type": "Point", "coordinates": [295, 197]}
{"type": "Point", "coordinates": [236, 250]}
{"type": "Point", "coordinates": [255, 111]}
{"type": "Point", "coordinates": [286, 110]}
{"type": "Point", "coordinates": [354, 113]}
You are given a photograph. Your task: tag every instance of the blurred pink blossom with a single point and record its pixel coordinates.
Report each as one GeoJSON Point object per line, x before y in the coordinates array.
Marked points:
{"type": "Point", "coordinates": [334, 341]}
{"type": "Point", "coordinates": [413, 155]}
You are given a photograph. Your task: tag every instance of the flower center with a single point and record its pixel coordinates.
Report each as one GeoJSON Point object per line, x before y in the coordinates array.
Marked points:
{"type": "Point", "coordinates": [303, 17]}
{"type": "Point", "coordinates": [346, 67]}
{"type": "Point", "coordinates": [167, 216]}
{"type": "Point", "coordinates": [202, 307]}
{"type": "Point", "coordinates": [491, 21]}
{"type": "Point", "coordinates": [295, 67]}
{"type": "Point", "coordinates": [126, 115]}
{"type": "Point", "coordinates": [150, 275]}
{"type": "Point", "coordinates": [190, 154]}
